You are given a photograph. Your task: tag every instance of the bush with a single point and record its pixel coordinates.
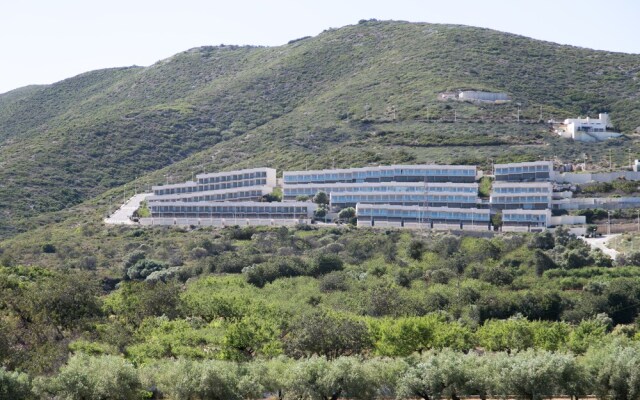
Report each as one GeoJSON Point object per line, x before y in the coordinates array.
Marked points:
{"type": "Point", "coordinates": [104, 377]}
{"type": "Point", "coordinates": [334, 281]}
{"type": "Point", "coordinates": [48, 248]}
{"type": "Point", "coordinates": [186, 379]}
{"type": "Point", "coordinates": [280, 267]}
{"type": "Point", "coordinates": [325, 263]}
{"type": "Point", "coordinates": [143, 268]}
{"type": "Point", "coordinates": [14, 385]}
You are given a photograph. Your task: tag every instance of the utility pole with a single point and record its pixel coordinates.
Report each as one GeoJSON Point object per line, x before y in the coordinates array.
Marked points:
{"type": "Point", "coordinates": [629, 154]}
{"type": "Point", "coordinates": [540, 118]}
{"type": "Point", "coordinates": [608, 222]}
{"type": "Point", "coordinates": [610, 163]}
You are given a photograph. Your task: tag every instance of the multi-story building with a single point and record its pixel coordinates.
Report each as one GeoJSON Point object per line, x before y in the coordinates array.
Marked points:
{"type": "Point", "coordinates": [234, 210]}
{"type": "Point", "coordinates": [419, 216]}
{"type": "Point", "coordinates": [243, 185]}
{"type": "Point", "coordinates": [215, 181]}
{"type": "Point", "coordinates": [390, 173]}
{"type": "Point", "coordinates": [291, 192]}
{"type": "Point", "coordinates": [523, 172]}
{"type": "Point", "coordinates": [454, 199]}
{"type": "Point", "coordinates": [526, 220]}
{"type": "Point", "coordinates": [521, 195]}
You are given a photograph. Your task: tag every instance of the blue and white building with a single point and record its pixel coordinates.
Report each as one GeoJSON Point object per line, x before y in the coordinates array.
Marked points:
{"type": "Point", "coordinates": [526, 220]}
{"type": "Point", "coordinates": [521, 195]}
{"type": "Point", "coordinates": [232, 211]}
{"type": "Point", "coordinates": [387, 215]}
{"type": "Point", "coordinates": [389, 173]}
{"type": "Point", "coordinates": [524, 172]}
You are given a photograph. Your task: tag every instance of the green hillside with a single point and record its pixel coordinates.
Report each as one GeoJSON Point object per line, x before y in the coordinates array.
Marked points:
{"type": "Point", "coordinates": [352, 96]}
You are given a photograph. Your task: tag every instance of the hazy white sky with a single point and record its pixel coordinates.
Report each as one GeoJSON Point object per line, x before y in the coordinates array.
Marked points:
{"type": "Point", "coordinates": [44, 41]}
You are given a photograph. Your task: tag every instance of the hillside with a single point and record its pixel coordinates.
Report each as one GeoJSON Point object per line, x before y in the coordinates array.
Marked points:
{"type": "Point", "coordinates": [361, 94]}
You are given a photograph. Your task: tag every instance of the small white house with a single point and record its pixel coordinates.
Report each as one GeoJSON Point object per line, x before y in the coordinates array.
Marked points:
{"type": "Point", "coordinates": [588, 129]}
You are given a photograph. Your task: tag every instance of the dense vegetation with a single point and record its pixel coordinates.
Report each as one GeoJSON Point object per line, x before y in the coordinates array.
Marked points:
{"type": "Point", "coordinates": [95, 312]}
{"type": "Point", "coordinates": [353, 96]}
{"type": "Point", "coordinates": [322, 313]}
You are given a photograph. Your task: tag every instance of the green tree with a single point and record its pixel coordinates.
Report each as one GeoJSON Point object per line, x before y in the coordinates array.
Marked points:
{"type": "Point", "coordinates": [197, 380]}
{"type": "Point", "coordinates": [14, 385]}
{"type": "Point", "coordinates": [614, 370]}
{"type": "Point", "coordinates": [135, 301]}
{"type": "Point", "coordinates": [325, 263]}
{"type": "Point", "coordinates": [321, 198]}
{"type": "Point", "coordinates": [326, 334]}
{"type": "Point", "coordinates": [99, 378]}
{"type": "Point", "coordinates": [322, 379]}
{"type": "Point", "coordinates": [347, 213]}
{"type": "Point", "coordinates": [511, 334]}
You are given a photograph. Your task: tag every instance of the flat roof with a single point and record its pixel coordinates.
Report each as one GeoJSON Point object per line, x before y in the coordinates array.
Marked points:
{"type": "Point", "coordinates": [524, 164]}
{"type": "Point", "coordinates": [381, 168]}
{"type": "Point", "coordinates": [239, 171]}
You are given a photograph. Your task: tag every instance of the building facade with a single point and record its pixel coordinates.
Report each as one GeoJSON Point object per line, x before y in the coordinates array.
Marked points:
{"type": "Point", "coordinates": [390, 173]}
{"type": "Point", "coordinates": [523, 172]}
{"type": "Point", "coordinates": [234, 210]}
{"type": "Point", "coordinates": [421, 217]}
{"type": "Point", "coordinates": [521, 195]}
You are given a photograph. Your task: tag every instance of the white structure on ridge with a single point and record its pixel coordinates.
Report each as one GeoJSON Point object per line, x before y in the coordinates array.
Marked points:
{"type": "Point", "coordinates": [588, 129]}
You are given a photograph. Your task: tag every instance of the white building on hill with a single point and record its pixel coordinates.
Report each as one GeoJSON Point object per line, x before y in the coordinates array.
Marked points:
{"type": "Point", "coordinates": [588, 129]}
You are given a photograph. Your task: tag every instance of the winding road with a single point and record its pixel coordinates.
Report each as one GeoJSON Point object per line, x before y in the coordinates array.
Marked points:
{"type": "Point", "coordinates": [122, 216]}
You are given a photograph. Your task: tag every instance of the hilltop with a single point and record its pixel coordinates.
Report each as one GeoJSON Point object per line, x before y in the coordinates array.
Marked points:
{"type": "Point", "coordinates": [353, 96]}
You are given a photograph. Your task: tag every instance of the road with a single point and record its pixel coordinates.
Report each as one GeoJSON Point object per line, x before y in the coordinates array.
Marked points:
{"type": "Point", "coordinates": [122, 216]}
{"type": "Point", "coordinates": [601, 243]}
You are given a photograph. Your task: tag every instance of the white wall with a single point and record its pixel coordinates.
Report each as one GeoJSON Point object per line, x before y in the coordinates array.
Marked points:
{"type": "Point", "coordinates": [572, 177]}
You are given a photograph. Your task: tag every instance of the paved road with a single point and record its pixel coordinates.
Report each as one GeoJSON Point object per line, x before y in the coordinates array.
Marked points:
{"type": "Point", "coordinates": [122, 216]}
{"type": "Point", "coordinates": [601, 243]}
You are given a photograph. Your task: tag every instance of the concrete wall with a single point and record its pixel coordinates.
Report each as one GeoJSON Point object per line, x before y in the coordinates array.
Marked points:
{"type": "Point", "coordinates": [572, 177]}
{"type": "Point", "coordinates": [568, 220]}
{"type": "Point", "coordinates": [607, 203]}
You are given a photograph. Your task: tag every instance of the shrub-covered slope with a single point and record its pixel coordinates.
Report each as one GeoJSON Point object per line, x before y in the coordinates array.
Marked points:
{"type": "Point", "coordinates": [351, 96]}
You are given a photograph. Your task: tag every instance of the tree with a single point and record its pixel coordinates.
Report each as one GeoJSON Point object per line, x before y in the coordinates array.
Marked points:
{"type": "Point", "coordinates": [346, 214]}
{"type": "Point", "coordinates": [325, 263]}
{"type": "Point", "coordinates": [614, 370]}
{"type": "Point", "coordinates": [511, 334]}
{"type": "Point", "coordinates": [542, 262]}
{"type": "Point", "coordinates": [143, 268]}
{"type": "Point", "coordinates": [326, 334]}
{"type": "Point", "coordinates": [321, 379]}
{"type": "Point", "coordinates": [535, 375]}
{"type": "Point", "coordinates": [136, 301]}
{"type": "Point", "coordinates": [542, 241]}
{"type": "Point", "coordinates": [187, 379]}
{"type": "Point", "coordinates": [14, 385]}
{"type": "Point", "coordinates": [101, 378]}
{"type": "Point", "coordinates": [416, 248]}
{"type": "Point", "coordinates": [321, 198]}
{"type": "Point", "coordinates": [435, 375]}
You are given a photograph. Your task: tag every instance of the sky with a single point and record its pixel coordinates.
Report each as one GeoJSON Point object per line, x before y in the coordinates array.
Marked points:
{"type": "Point", "coordinates": [44, 41]}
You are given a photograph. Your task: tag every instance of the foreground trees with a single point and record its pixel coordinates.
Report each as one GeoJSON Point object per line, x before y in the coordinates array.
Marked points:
{"type": "Point", "coordinates": [611, 371]}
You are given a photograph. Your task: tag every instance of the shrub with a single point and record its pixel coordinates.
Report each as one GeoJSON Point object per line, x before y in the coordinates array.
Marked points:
{"type": "Point", "coordinates": [100, 378]}
{"type": "Point", "coordinates": [325, 263]}
{"type": "Point", "coordinates": [48, 248]}
{"type": "Point", "coordinates": [14, 385]}
{"type": "Point", "coordinates": [186, 379]}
